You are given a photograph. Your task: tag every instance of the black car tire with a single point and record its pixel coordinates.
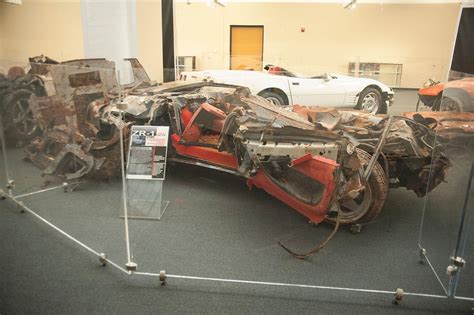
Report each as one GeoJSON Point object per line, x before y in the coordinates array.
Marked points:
{"type": "Point", "coordinates": [378, 192]}
{"type": "Point", "coordinates": [454, 100]}
{"type": "Point", "coordinates": [381, 108]}
{"type": "Point", "coordinates": [273, 97]}
{"type": "Point", "coordinates": [19, 121]}
{"type": "Point", "coordinates": [451, 104]}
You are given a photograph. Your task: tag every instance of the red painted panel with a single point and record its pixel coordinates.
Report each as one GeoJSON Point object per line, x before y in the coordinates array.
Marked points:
{"type": "Point", "coordinates": [319, 168]}
{"type": "Point", "coordinates": [206, 154]}
{"type": "Point", "coordinates": [186, 116]}
{"type": "Point", "coordinates": [432, 90]}
{"type": "Point", "coordinates": [214, 110]}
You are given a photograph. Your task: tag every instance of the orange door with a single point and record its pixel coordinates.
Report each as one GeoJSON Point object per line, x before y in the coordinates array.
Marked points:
{"type": "Point", "coordinates": [246, 47]}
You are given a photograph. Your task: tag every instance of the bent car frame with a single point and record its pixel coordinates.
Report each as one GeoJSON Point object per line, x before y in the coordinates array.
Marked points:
{"type": "Point", "coordinates": [326, 164]}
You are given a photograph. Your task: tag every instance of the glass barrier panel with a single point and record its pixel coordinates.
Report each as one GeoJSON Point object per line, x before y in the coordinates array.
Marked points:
{"type": "Point", "coordinates": [443, 211]}
{"type": "Point", "coordinates": [4, 87]}
{"type": "Point", "coordinates": [465, 248]}
{"type": "Point", "coordinates": [217, 136]}
{"type": "Point", "coordinates": [63, 150]}
{"type": "Point", "coordinates": [223, 141]}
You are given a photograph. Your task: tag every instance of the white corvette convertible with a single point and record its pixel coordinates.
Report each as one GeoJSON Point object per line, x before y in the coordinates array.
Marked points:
{"type": "Point", "coordinates": [283, 87]}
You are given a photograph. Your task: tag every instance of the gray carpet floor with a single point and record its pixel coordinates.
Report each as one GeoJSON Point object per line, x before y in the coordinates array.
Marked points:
{"type": "Point", "coordinates": [215, 227]}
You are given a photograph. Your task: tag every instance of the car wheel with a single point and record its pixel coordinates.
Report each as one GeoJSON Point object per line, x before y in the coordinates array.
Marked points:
{"type": "Point", "coordinates": [273, 97]}
{"type": "Point", "coordinates": [368, 205]}
{"type": "Point", "coordinates": [370, 101]}
{"type": "Point", "coordinates": [451, 104]}
{"type": "Point", "coordinates": [20, 123]}
{"type": "Point", "coordinates": [436, 104]}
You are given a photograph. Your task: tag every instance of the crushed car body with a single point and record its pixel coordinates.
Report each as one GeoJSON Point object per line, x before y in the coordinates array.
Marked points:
{"type": "Point", "coordinates": [327, 164]}
{"type": "Point", "coordinates": [450, 127]}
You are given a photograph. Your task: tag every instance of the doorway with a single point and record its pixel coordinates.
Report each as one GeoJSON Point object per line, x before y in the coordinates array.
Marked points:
{"type": "Point", "coordinates": [246, 47]}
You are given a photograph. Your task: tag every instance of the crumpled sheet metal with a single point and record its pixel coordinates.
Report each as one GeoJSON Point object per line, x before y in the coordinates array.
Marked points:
{"type": "Point", "coordinates": [332, 119]}
{"type": "Point", "coordinates": [328, 118]}
{"type": "Point", "coordinates": [258, 119]}
{"type": "Point", "coordinates": [279, 117]}
{"type": "Point", "coordinates": [444, 122]}
{"type": "Point", "coordinates": [357, 125]}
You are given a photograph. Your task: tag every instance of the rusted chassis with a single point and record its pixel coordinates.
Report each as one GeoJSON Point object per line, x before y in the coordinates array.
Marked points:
{"type": "Point", "coordinates": [51, 112]}
{"type": "Point", "coordinates": [306, 158]}
{"type": "Point", "coordinates": [452, 128]}
{"type": "Point", "coordinates": [312, 159]}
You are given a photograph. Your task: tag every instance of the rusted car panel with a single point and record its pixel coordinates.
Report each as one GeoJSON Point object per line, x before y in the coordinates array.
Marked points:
{"type": "Point", "coordinates": [449, 126]}
{"type": "Point", "coordinates": [316, 160]}
{"type": "Point", "coordinates": [225, 126]}
{"type": "Point", "coordinates": [56, 101]}
{"type": "Point", "coordinates": [75, 83]}
{"type": "Point", "coordinates": [406, 154]}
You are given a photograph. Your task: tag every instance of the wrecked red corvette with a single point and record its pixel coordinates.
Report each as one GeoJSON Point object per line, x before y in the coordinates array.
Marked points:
{"type": "Point", "coordinates": [326, 164]}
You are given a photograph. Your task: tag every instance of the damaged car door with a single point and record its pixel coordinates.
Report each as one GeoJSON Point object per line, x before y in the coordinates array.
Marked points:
{"type": "Point", "coordinates": [293, 174]}
{"type": "Point", "coordinates": [307, 184]}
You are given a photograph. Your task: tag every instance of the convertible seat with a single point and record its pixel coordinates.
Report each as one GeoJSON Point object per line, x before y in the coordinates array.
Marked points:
{"type": "Point", "coordinates": [275, 70]}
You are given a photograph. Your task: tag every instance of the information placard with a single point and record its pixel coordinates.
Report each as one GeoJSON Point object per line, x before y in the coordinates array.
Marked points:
{"type": "Point", "coordinates": [147, 154]}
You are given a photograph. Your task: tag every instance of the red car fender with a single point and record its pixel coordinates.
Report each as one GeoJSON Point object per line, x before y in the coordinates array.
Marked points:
{"type": "Point", "coordinates": [434, 90]}
{"type": "Point", "coordinates": [319, 168]}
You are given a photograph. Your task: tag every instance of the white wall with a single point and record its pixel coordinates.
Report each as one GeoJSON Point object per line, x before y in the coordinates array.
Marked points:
{"type": "Point", "coordinates": [109, 28]}
{"type": "Point", "coordinates": [417, 36]}
{"type": "Point", "coordinates": [54, 28]}
{"type": "Point", "coordinates": [48, 27]}
{"type": "Point", "coordinates": [150, 51]}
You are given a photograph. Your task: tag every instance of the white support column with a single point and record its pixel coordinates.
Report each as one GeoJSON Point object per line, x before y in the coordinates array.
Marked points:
{"type": "Point", "coordinates": [110, 31]}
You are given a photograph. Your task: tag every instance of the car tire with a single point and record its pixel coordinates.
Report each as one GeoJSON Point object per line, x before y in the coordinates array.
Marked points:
{"type": "Point", "coordinates": [451, 104]}
{"type": "Point", "coordinates": [436, 104]}
{"type": "Point", "coordinates": [371, 100]}
{"type": "Point", "coordinates": [19, 120]}
{"type": "Point", "coordinates": [371, 201]}
{"type": "Point", "coordinates": [273, 97]}
{"type": "Point", "coordinates": [455, 100]}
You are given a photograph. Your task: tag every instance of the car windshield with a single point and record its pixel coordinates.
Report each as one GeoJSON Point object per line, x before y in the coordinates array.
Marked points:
{"type": "Point", "coordinates": [277, 70]}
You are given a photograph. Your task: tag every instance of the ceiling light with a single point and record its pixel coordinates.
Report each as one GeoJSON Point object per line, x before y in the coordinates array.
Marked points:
{"type": "Point", "coordinates": [351, 5]}
{"type": "Point", "coordinates": [213, 3]}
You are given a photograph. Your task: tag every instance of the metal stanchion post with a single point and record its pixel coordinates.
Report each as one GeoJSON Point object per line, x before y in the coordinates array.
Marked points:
{"type": "Point", "coordinates": [10, 184]}
{"type": "Point", "coordinates": [130, 265]}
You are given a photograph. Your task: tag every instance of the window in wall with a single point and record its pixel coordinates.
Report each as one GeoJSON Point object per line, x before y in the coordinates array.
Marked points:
{"type": "Point", "coordinates": [388, 73]}
{"type": "Point", "coordinates": [186, 63]}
